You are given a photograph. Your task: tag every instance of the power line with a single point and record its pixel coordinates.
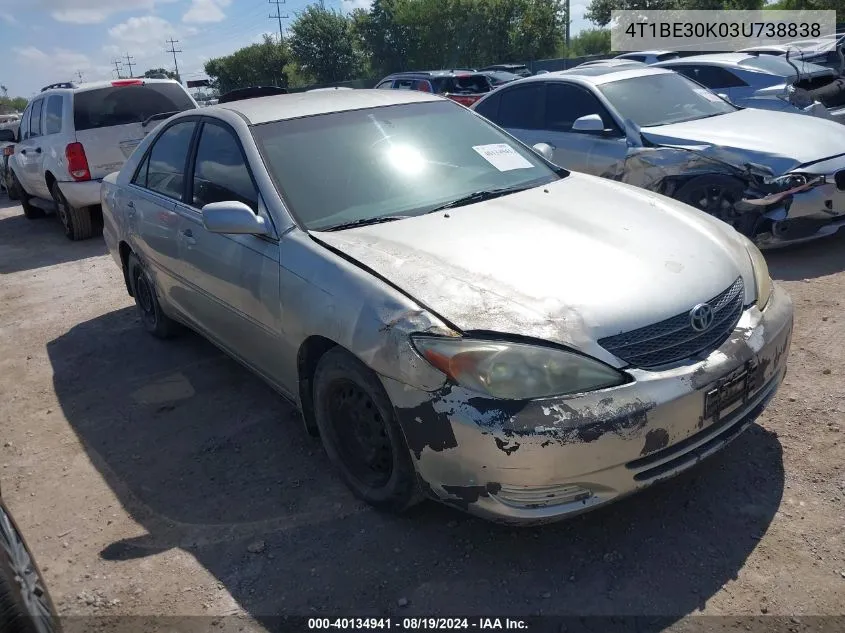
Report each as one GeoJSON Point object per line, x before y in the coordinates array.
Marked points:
{"type": "Point", "coordinates": [116, 63]}
{"type": "Point", "coordinates": [279, 17]}
{"type": "Point", "coordinates": [173, 50]}
{"type": "Point", "coordinates": [129, 63]}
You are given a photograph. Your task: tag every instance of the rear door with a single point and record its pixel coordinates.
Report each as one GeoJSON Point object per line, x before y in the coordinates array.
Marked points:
{"type": "Point", "coordinates": [109, 121]}
{"type": "Point", "coordinates": [518, 109]}
{"type": "Point", "coordinates": [32, 154]}
{"type": "Point", "coordinates": [152, 223]}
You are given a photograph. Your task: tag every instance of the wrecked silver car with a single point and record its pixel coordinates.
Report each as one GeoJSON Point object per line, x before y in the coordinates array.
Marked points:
{"type": "Point", "coordinates": [433, 296]}
{"type": "Point", "coordinates": [767, 82]}
{"type": "Point", "coordinates": [777, 178]}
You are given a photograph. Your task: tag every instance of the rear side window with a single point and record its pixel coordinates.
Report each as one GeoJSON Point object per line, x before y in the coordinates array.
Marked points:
{"type": "Point", "coordinates": [385, 85]}
{"type": "Point", "coordinates": [220, 174]}
{"type": "Point", "coordinates": [166, 172]}
{"type": "Point", "coordinates": [35, 119]}
{"type": "Point", "coordinates": [404, 84]}
{"type": "Point", "coordinates": [519, 107]}
{"type": "Point", "coordinates": [53, 115]}
{"type": "Point", "coordinates": [121, 105]}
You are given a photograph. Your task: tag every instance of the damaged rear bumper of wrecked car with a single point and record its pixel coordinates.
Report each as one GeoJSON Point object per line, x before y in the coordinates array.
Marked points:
{"type": "Point", "coordinates": [538, 461]}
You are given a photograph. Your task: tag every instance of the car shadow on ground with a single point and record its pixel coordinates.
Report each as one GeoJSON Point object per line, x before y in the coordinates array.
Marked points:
{"type": "Point", "coordinates": [209, 459]}
{"type": "Point", "coordinates": [809, 260]}
{"type": "Point", "coordinates": [30, 244]}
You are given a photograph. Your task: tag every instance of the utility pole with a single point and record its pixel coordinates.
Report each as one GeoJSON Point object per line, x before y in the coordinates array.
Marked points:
{"type": "Point", "coordinates": [568, 22]}
{"type": "Point", "coordinates": [279, 17]}
{"type": "Point", "coordinates": [173, 50]}
{"type": "Point", "coordinates": [79, 74]}
{"type": "Point", "coordinates": [116, 63]}
{"type": "Point", "coordinates": [129, 63]}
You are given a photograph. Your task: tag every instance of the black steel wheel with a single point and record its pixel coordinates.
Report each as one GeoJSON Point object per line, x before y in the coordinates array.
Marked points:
{"type": "Point", "coordinates": [360, 433]}
{"type": "Point", "coordinates": [717, 195]}
{"type": "Point", "coordinates": [25, 604]}
{"type": "Point", "coordinates": [153, 318]}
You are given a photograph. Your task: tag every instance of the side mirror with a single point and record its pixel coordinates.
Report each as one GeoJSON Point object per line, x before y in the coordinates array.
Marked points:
{"type": "Point", "coordinates": [8, 136]}
{"type": "Point", "coordinates": [590, 123]}
{"type": "Point", "coordinates": [545, 150]}
{"type": "Point", "coordinates": [234, 218]}
{"type": "Point", "coordinates": [725, 97]}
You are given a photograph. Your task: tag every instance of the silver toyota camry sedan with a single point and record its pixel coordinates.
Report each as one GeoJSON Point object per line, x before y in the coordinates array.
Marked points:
{"type": "Point", "coordinates": [455, 316]}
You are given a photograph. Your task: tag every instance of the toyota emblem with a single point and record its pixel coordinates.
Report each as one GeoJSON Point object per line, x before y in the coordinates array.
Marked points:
{"type": "Point", "coordinates": [701, 317]}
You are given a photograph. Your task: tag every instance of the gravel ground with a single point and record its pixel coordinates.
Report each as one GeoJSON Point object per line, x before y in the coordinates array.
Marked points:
{"type": "Point", "coordinates": [163, 479]}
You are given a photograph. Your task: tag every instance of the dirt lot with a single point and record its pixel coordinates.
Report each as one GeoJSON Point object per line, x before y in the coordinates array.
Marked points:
{"type": "Point", "coordinates": [162, 478]}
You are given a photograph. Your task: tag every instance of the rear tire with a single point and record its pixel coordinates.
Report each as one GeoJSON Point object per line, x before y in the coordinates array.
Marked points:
{"type": "Point", "coordinates": [360, 433]}
{"type": "Point", "coordinates": [78, 223]}
{"type": "Point", "coordinates": [25, 604]}
{"type": "Point", "coordinates": [153, 318]}
{"type": "Point", "coordinates": [30, 212]}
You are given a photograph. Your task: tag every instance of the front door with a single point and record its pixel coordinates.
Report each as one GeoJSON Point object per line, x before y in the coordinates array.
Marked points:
{"type": "Point", "coordinates": [231, 282]}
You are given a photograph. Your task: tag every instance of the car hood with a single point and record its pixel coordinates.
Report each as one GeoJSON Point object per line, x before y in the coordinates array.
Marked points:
{"type": "Point", "coordinates": [778, 140]}
{"type": "Point", "coordinates": [571, 262]}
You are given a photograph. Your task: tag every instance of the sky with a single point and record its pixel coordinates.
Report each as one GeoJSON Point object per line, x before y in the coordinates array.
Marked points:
{"type": "Point", "coordinates": [48, 41]}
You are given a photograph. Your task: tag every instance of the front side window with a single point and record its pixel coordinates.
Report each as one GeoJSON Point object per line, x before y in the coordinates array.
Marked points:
{"type": "Point", "coordinates": [166, 172]}
{"type": "Point", "coordinates": [220, 174]}
{"type": "Point", "coordinates": [565, 103]}
{"type": "Point", "coordinates": [53, 115]}
{"type": "Point", "coordinates": [35, 118]}
{"type": "Point", "coordinates": [397, 161]}
{"type": "Point", "coordinates": [662, 99]}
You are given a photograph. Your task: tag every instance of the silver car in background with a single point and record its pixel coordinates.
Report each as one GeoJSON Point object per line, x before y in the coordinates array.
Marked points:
{"type": "Point", "coordinates": [777, 178]}
{"type": "Point", "coordinates": [768, 82]}
{"type": "Point", "coordinates": [457, 317]}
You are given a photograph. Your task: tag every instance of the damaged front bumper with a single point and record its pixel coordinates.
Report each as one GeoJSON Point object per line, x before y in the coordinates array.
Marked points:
{"type": "Point", "coordinates": [543, 460]}
{"type": "Point", "coordinates": [804, 213]}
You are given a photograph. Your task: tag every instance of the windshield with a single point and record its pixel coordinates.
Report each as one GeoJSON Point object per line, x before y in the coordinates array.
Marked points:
{"type": "Point", "coordinates": [400, 160]}
{"type": "Point", "coordinates": [662, 99]}
{"type": "Point", "coordinates": [462, 84]}
{"type": "Point", "coordinates": [121, 105]}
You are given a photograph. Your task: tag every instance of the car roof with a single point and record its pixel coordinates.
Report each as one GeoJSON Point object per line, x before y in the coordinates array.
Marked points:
{"type": "Point", "coordinates": [303, 104]}
{"type": "Point", "coordinates": [716, 59]}
{"type": "Point", "coordinates": [598, 75]}
{"type": "Point", "coordinates": [73, 87]}
{"type": "Point", "coordinates": [659, 52]}
{"type": "Point", "coordinates": [433, 73]}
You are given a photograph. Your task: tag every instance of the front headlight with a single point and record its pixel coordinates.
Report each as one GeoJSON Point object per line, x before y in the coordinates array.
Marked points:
{"type": "Point", "coordinates": [762, 279]}
{"type": "Point", "coordinates": [515, 371]}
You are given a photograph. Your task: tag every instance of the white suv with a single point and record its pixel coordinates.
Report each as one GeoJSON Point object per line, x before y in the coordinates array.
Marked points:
{"type": "Point", "coordinates": [71, 136]}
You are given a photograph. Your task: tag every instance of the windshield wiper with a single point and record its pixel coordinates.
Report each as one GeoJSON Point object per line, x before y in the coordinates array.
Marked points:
{"type": "Point", "coordinates": [365, 222]}
{"type": "Point", "coordinates": [481, 196]}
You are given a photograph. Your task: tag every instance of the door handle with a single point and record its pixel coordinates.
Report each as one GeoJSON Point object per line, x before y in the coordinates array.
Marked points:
{"type": "Point", "coordinates": [188, 236]}
{"type": "Point", "coordinates": [131, 206]}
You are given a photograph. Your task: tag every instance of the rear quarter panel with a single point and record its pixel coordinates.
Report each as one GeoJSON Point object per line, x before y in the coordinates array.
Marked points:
{"type": "Point", "coordinates": [113, 217]}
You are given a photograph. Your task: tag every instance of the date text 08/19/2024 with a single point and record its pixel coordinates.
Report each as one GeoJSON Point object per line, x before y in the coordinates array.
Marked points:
{"type": "Point", "coordinates": [417, 624]}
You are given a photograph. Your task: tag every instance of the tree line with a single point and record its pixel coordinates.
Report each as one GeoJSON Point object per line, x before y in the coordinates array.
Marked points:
{"type": "Point", "coordinates": [326, 46]}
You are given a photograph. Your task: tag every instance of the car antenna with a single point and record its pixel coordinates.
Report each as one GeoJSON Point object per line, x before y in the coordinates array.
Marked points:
{"type": "Point", "coordinates": [789, 61]}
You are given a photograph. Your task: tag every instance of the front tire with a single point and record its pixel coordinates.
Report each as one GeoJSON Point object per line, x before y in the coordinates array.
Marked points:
{"type": "Point", "coordinates": [716, 195]}
{"type": "Point", "coordinates": [25, 604]}
{"type": "Point", "coordinates": [78, 223]}
{"type": "Point", "coordinates": [360, 433]}
{"type": "Point", "coordinates": [153, 318]}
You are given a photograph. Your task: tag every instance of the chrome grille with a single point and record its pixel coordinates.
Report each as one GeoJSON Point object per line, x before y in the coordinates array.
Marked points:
{"type": "Point", "coordinates": [674, 339]}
